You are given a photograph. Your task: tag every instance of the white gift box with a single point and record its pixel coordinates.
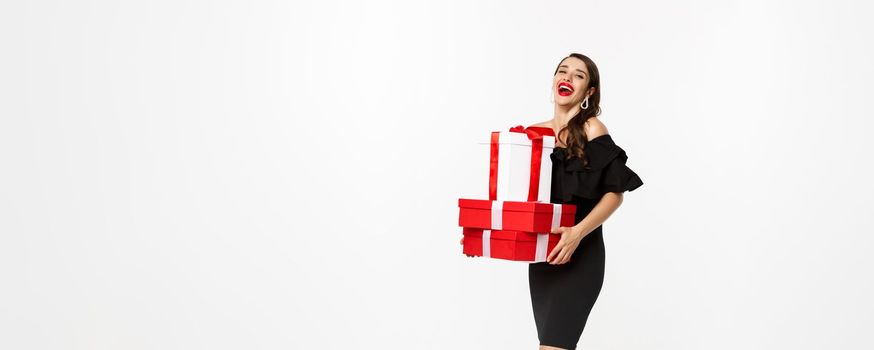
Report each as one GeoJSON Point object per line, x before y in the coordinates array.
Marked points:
{"type": "Point", "coordinates": [511, 171]}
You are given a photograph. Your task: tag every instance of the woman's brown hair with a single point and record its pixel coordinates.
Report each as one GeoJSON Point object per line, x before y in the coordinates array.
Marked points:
{"type": "Point", "coordinates": [577, 138]}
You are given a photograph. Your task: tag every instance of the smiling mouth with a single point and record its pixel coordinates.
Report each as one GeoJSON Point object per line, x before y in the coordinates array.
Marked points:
{"type": "Point", "coordinates": [564, 89]}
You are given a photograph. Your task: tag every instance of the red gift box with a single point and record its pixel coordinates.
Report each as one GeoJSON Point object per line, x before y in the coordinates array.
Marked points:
{"type": "Point", "coordinates": [509, 245]}
{"type": "Point", "coordinates": [514, 216]}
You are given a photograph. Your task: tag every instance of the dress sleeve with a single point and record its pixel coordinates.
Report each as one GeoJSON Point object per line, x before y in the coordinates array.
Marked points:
{"type": "Point", "coordinates": [616, 176]}
{"type": "Point", "coordinates": [605, 172]}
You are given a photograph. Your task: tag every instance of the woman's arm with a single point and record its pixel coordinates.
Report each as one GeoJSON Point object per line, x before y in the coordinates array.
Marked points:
{"type": "Point", "coordinates": [605, 207]}
{"type": "Point", "coordinates": [571, 236]}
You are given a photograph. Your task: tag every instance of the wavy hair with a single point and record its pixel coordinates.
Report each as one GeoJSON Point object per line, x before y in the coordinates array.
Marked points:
{"type": "Point", "coordinates": [577, 138]}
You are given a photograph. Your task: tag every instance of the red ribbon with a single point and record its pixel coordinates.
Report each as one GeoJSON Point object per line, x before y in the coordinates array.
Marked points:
{"type": "Point", "coordinates": [493, 167]}
{"type": "Point", "coordinates": [536, 157]}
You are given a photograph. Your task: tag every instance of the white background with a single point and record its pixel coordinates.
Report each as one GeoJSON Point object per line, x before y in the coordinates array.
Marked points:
{"type": "Point", "coordinates": [284, 175]}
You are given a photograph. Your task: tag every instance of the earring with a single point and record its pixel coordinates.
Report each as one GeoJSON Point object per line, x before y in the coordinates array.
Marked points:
{"type": "Point", "coordinates": [586, 101]}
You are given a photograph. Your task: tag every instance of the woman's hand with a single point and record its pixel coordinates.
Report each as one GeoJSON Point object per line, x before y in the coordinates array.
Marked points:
{"type": "Point", "coordinates": [462, 243]}
{"type": "Point", "coordinates": [570, 240]}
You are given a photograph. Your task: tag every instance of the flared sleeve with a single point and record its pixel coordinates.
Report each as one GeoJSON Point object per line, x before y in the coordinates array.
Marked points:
{"type": "Point", "coordinates": [606, 171]}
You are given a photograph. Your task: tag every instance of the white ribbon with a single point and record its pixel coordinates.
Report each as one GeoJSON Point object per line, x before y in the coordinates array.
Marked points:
{"type": "Point", "coordinates": [542, 244]}
{"type": "Point", "coordinates": [556, 215]}
{"type": "Point", "coordinates": [487, 237]}
{"type": "Point", "coordinates": [497, 215]}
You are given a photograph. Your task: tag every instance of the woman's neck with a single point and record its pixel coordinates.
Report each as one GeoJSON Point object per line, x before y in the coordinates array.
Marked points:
{"type": "Point", "coordinates": [563, 114]}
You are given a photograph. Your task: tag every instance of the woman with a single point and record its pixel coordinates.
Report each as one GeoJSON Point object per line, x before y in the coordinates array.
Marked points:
{"type": "Point", "coordinates": [564, 289]}
{"type": "Point", "coordinates": [589, 171]}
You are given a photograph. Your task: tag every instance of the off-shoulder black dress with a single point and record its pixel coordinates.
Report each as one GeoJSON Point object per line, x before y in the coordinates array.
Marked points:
{"type": "Point", "coordinates": [563, 295]}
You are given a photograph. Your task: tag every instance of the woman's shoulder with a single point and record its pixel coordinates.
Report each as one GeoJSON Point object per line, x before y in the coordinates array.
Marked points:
{"type": "Point", "coordinates": [544, 128]}
{"type": "Point", "coordinates": [543, 124]}
{"type": "Point", "coordinates": [595, 128]}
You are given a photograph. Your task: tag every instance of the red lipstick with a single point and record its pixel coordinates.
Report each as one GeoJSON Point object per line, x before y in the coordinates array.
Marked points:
{"type": "Point", "coordinates": [565, 89]}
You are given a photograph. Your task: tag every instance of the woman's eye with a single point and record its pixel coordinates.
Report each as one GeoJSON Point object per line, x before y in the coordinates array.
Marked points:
{"type": "Point", "coordinates": [580, 76]}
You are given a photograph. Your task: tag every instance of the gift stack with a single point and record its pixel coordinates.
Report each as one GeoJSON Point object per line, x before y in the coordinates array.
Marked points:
{"type": "Point", "coordinates": [515, 222]}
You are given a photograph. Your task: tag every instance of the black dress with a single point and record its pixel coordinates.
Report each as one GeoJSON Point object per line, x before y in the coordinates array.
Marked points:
{"type": "Point", "coordinates": [563, 295]}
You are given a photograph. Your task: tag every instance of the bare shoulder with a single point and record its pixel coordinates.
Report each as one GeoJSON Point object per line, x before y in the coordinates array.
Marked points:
{"type": "Point", "coordinates": [595, 127]}
{"type": "Point", "coordinates": [547, 124]}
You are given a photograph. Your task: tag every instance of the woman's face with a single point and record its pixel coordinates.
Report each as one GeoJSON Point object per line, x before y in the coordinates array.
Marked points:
{"type": "Point", "coordinates": [570, 82]}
